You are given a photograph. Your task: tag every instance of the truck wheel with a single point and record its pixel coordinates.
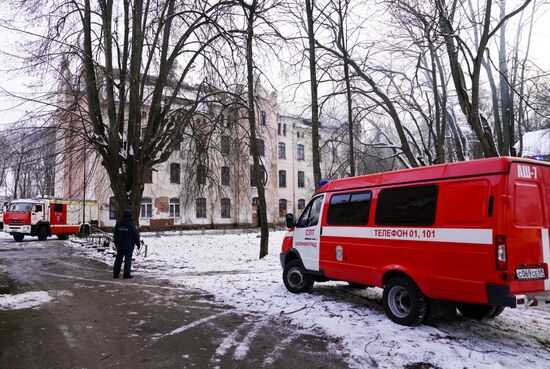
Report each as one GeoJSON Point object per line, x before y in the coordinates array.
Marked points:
{"type": "Point", "coordinates": [63, 236]}
{"type": "Point", "coordinates": [478, 312]}
{"type": "Point", "coordinates": [42, 233]}
{"type": "Point", "coordinates": [403, 302]}
{"type": "Point", "coordinates": [18, 237]}
{"type": "Point", "coordinates": [295, 278]}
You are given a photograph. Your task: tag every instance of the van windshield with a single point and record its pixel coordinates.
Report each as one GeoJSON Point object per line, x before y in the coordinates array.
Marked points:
{"type": "Point", "coordinates": [20, 206]}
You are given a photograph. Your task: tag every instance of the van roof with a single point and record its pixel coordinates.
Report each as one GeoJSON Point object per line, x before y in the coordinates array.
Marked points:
{"type": "Point", "coordinates": [451, 170]}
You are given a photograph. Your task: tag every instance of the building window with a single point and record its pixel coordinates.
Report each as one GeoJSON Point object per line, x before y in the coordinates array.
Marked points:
{"type": "Point", "coordinates": [260, 144]}
{"type": "Point", "coordinates": [263, 118]}
{"type": "Point", "coordinates": [301, 204]}
{"type": "Point", "coordinates": [174, 173]}
{"type": "Point", "coordinates": [112, 208]}
{"type": "Point", "coordinates": [300, 152]}
{"type": "Point", "coordinates": [225, 145]}
{"type": "Point", "coordinates": [334, 154]}
{"type": "Point", "coordinates": [282, 150]}
{"type": "Point", "coordinates": [174, 208]}
{"type": "Point", "coordinates": [279, 129]}
{"type": "Point", "coordinates": [282, 178]}
{"type": "Point", "coordinates": [146, 208]}
{"type": "Point", "coordinates": [149, 176]}
{"type": "Point", "coordinates": [201, 207]}
{"type": "Point", "coordinates": [282, 208]}
{"type": "Point", "coordinates": [201, 174]}
{"type": "Point", "coordinates": [284, 129]}
{"type": "Point", "coordinates": [263, 175]}
{"type": "Point", "coordinates": [301, 179]}
{"type": "Point", "coordinates": [225, 176]}
{"type": "Point", "coordinates": [226, 208]}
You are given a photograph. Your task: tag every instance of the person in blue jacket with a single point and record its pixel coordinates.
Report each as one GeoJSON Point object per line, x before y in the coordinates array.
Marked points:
{"type": "Point", "coordinates": [126, 236]}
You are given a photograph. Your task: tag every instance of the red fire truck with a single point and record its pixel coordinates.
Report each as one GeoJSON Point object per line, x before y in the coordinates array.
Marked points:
{"type": "Point", "coordinates": [470, 235]}
{"type": "Point", "coordinates": [45, 216]}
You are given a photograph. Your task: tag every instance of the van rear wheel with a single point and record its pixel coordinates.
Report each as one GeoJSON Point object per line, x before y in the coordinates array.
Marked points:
{"type": "Point", "coordinates": [295, 278]}
{"type": "Point", "coordinates": [477, 311]}
{"type": "Point", "coordinates": [18, 237]}
{"type": "Point", "coordinates": [403, 302]}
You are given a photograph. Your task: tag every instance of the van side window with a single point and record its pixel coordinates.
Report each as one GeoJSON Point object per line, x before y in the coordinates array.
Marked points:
{"type": "Point", "coordinates": [310, 216]}
{"type": "Point", "coordinates": [349, 209]}
{"type": "Point", "coordinates": [58, 208]}
{"type": "Point", "coordinates": [408, 206]}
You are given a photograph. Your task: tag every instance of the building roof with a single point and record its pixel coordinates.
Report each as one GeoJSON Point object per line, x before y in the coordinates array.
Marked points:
{"type": "Point", "coordinates": [450, 170]}
{"type": "Point", "coordinates": [535, 143]}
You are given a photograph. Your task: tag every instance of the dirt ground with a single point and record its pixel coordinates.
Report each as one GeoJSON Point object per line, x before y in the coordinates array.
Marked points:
{"type": "Point", "coordinates": [95, 321]}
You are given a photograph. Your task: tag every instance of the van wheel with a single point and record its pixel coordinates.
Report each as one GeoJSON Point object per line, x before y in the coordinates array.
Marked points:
{"type": "Point", "coordinates": [295, 278]}
{"type": "Point", "coordinates": [403, 302]}
{"type": "Point", "coordinates": [498, 311]}
{"type": "Point", "coordinates": [478, 312]}
{"type": "Point", "coordinates": [18, 237]}
{"type": "Point", "coordinates": [42, 233]}
{"type": "Point", "coordinates": [63, 236]}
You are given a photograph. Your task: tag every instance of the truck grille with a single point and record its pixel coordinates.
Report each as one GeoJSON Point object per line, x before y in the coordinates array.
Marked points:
{"type": "Point", "coordinates": [16, 222]}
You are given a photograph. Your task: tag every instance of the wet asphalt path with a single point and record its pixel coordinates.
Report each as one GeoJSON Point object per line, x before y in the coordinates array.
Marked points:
{"type": "Point", "coordinates": [94, 321]}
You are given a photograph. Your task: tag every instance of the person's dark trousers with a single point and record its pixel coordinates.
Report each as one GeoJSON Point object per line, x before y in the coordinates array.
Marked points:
{"type": "Point", "coordinates": [127, 255]}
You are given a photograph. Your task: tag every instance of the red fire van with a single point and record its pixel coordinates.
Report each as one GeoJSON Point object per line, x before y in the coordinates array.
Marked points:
{"type": "Point", "coordinates": [473, 235]}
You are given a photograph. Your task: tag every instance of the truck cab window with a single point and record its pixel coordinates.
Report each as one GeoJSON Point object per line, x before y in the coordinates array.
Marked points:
{"type": "Point", "coordinates": [38, 208]}
{"type": "Point", "coordinates": [310, 216]}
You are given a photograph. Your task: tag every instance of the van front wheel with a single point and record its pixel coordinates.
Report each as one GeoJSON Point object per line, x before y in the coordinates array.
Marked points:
{"type": "Point", "coordinates": [295, 278]}
{"type": "Point", "coordinates": [403, 302]}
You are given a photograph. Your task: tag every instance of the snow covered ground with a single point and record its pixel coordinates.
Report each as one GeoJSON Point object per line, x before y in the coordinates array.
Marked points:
{"type": "Point", "coordinates": [227, 266]}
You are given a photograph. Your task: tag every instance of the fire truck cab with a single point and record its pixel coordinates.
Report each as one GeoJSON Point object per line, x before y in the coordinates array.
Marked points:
{"type": "Point", "coordinates": [43, 217]}
{"type": "Point", "coordinates": [471, 235]}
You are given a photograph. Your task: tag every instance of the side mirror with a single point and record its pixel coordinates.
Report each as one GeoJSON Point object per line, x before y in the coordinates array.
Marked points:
{"type": "Point", "coordinates": [290, 220]}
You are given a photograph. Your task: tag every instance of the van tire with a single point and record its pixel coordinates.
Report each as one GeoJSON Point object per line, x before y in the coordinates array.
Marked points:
{"type": "Point", "coordinates": [18, 237]}
{"type": "Point", "coordinates": [498, 311]}
{"type": "Point", "coordinates": [295, 278]}
{"type": "Point", "coordinates": [42, 233]}
{"type": "Point", "coordinates": [403, 301]}
{"type": "Point", "coordinates": [477, 311]}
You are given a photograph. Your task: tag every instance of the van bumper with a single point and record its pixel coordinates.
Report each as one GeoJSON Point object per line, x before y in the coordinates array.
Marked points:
{"type": "Point", "coordinates": [498, 294]}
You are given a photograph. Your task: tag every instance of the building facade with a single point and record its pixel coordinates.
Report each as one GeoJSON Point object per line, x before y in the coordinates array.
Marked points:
{"type": "Point", "coordinates": [210, 184]}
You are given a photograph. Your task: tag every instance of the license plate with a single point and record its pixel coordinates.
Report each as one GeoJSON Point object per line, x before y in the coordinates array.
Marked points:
{"type": "Point", "coordinates": [530, 273]}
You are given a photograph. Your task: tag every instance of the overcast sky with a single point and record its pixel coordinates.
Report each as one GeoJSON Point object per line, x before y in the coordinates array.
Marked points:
{"type": "Point", "coordinates": [26, 83]}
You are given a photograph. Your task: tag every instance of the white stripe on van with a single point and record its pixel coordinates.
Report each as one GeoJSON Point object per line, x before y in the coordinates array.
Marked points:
{"type": "Point", "coordinates": [451, 235]}
{"type": "Point", "coordinates": [546, 255]}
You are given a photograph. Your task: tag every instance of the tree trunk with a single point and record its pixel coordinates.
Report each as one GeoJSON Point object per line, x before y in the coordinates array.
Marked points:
{"type": "Point", "coordinates": [264, 231]}
{"type": "Point", "coordinates": [310, 4]}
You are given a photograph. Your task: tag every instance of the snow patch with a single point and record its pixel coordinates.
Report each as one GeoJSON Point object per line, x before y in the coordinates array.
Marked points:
{"type": "Point", "coordinates": [25, 300]}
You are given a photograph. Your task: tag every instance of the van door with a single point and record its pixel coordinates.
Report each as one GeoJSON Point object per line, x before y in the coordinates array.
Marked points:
{"type": "Point", "coordinates": [307, 233]}
{"type": "Point", "coordinates": [527, 239]}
